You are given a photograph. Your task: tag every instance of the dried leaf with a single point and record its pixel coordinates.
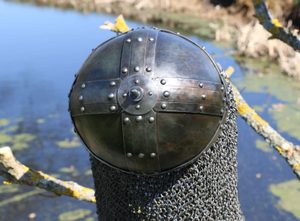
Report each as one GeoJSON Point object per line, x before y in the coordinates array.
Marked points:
{"type": "Point", "coordinates": [119, 26]}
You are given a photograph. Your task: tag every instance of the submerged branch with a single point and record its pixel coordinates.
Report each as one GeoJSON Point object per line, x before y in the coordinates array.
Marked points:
{"type": "Point", "coordinates": [273, 25]}
{"type": "Point", "coordinates": [16, 172]}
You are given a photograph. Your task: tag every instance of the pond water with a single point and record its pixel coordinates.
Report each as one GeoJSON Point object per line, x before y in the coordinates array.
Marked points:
{"type": "Point", "coordinates": [41, 50]}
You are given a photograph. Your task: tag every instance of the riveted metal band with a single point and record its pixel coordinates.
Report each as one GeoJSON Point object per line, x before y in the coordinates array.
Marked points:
{"type": "Point", "coordinates": [95, 97]}
{"type": "Point", "coordinates": [138, 53]}
{"type": "Point", "coordinates": [126, 56]}
{"type": "Point", "coordinates": [189, 96]}
{"type": "Point", "coordinates": [138, 118]}
{"type": "Point", "coordinates": [150, 51]}
{"type": "Point", "coordinates": [140, 142]}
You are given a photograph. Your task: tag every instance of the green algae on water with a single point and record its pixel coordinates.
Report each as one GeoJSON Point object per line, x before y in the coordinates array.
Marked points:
{"type": "Point", "coordinates": [4, 122]}
{"type": "Point", "coordinates": [20, 197]}
{"type": "Point", "coordinates": [276, 84]}
{"type": "Point", "coordinates": [70, 170]}
{"type": "Point", "coordinates": [258, 109]}
{"type": "Point", "coordinates": [17, 141]}
{"type": "Point", "coordinates": [73, 215]}
{"type": "Point", "coordinates": [69, 143]}
{"type": "Point", "coordinates": [5, 139]}
{"type": "Point", "coordinates": [282, 87]}
{"type": "Point", "coordinates": [289, 196]}
{"type": "Point", "coordinates": [287, 119]}
{"type": "Point", "coordinates": [263, 146]}
{"type": "Point", "coordinates": [10, 188]}
{"type": "Point", "coordinates": [21, 141]}
{"type": "Point", "coordinates": [11, 129]}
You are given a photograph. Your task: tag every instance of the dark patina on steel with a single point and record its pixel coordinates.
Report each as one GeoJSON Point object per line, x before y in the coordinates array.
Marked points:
{"type": "Point", "coordinates": [148, 101]}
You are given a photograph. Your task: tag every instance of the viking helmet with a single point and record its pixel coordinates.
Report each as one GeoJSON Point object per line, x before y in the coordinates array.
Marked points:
{"type": "Point", "coordinates": [148, 101]}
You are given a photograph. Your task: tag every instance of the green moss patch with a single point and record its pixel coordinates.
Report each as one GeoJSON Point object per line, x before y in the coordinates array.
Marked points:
{"type": "Point", "coordinates": [9, 135]}
{"type": "Point", "coordinates": [271, 82]}
{"type": "Point", "coordinates": [5, 139]}
{"type": "Point", "coordinates": [21, 141]}
{"type": "Point", "coordinates": [70, 170]}
{"type": "Point", "coordinates": [78, 214]}
{"type": "Point", "coordinates": [263, 146]}
{"type": "Point", "coordinates": [287, 112]}
{"type": "Point", "coordinates": [69, 143]}
{"type": "Point", "coordinates": [289, 196]}
{"type": "Point", "coordinates": [4, 122]}
{"type": "Point", "coordinates": [11, 129]}
{"type": "Point", "coordinates": [258, 109]}
{"type": "Point", "coordinates": [17, 141]}
{"type": "Point", "coordinates": [11, 188]}
{"type": "Point", "coordinates": [287, 119]}
{"type": "Point", "coordinates": [20, 197]}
